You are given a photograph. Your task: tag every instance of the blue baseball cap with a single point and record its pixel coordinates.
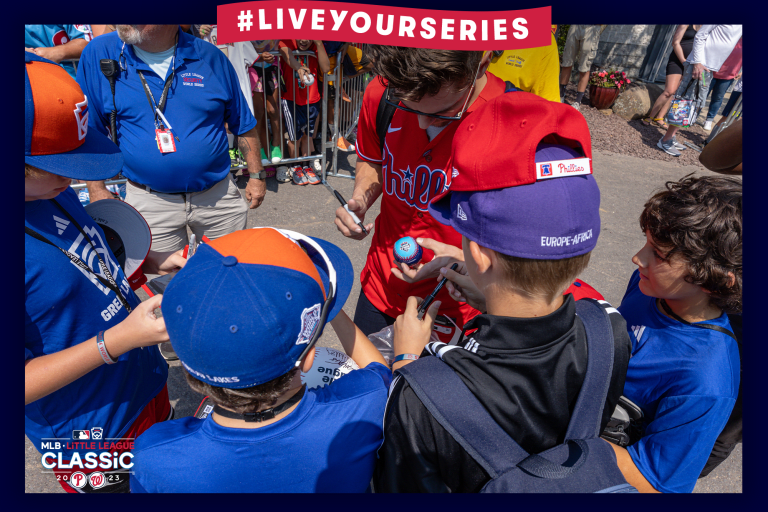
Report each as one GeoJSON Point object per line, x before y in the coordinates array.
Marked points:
{"type": "Point", "coordinates": [57, 138]}
{"type": "Point", "coordinates": [248, 306]}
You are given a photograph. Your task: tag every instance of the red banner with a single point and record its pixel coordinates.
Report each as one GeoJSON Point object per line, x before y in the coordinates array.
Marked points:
{"type": "Point", "coordinates": [376, 24]}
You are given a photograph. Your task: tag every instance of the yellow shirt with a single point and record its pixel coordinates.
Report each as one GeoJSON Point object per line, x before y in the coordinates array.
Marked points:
{"type": "Point", "coordinates": [534, 70]}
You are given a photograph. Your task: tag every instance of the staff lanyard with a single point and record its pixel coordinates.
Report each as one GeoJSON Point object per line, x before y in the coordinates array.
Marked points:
{"type": "Point", "coordinates": [159, 108]}
{"type": "Point", "coordinates": [109, 282]}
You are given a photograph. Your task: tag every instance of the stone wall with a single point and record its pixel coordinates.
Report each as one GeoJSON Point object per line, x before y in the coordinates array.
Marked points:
{"type": "Point", "coordinates": [623, 47]}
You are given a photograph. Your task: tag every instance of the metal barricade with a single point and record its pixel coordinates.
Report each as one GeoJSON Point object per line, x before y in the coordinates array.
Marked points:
{"type": "Point", "coordinates": [282, 109]}
{"type": "Point", "coordinates": [346, 113]}
{"type": "Point", "coordinates": [732, 116]}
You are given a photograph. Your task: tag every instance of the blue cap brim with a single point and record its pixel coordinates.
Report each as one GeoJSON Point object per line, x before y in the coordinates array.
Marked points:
{"type": "Point", "coordinates": [345, 274]}
{"type": "Point", "coordinates": [98, 158]}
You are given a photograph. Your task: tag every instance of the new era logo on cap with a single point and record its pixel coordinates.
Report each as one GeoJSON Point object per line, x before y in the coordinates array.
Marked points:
{"type": "Point", "coordinates": [460, 213]}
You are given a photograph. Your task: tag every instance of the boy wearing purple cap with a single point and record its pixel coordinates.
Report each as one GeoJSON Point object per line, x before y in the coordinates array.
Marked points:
{"type": "Point", "coordinates": [267, 431]}
{"type": "Point", "coordinates": [525, 238]}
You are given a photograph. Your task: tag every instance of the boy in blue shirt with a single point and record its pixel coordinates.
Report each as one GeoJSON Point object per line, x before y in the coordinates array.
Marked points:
{"type": "Point", "coordinates": [90, 355]}
{"type": "Point", "coordinates": [267, 432]}
{"type": "Point", "coordinates": [684, 371]}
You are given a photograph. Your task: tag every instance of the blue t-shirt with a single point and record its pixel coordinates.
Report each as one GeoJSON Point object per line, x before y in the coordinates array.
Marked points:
{"type": "Point", "coordinates": [64, 306]}
{"type": "Point", "coordinates": [48, 36]}
{"type": "Point", "coordinates": [686, 380]}
{"type": "Point", "coordinates": [327, 444]}
{"type": "Point", "coordinates": [205, 94]}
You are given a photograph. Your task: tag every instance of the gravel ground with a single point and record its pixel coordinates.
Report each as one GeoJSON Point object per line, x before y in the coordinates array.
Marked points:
{"type": "Point", "coordinates": [613, 135]}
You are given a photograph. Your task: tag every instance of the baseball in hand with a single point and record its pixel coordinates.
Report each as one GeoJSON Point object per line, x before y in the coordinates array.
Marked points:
{"type": "Point", "coordinates": [407, 251]}
{"type": "Point", "coordinates": [309, 79]}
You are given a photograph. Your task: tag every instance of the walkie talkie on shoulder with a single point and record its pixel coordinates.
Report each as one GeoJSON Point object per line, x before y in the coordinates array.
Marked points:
{"type": "Point", "coordinates": [110, 69]}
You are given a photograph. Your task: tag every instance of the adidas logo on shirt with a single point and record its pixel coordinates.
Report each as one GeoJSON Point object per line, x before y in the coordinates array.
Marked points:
{"type": "Point", "coordinates": [460, 213]}
{"type": "Point", "coordinates": [61, 224]}
{"type": "Point", "coordinates": [637, 330]}
{"type": "Point", "coordinates": [471, 345]}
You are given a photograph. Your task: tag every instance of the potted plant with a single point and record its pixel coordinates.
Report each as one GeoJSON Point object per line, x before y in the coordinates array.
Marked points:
{"type": "Point", "coordinates": [605, 86]}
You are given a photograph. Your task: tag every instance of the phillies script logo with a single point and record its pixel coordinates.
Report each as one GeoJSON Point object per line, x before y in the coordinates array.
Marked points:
{"type": "Point", "coordinates": [569, 168]}
{"type": "Point", "coordinates": [416, 186]}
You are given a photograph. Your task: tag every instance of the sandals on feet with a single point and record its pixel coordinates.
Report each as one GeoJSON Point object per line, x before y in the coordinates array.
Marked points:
{"type": "Point", "coordinates": [656, 121]}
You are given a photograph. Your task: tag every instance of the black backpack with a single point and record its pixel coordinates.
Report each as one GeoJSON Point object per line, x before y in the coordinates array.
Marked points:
{"type": "Point", "coordinates": [386, 112]}
{"type": "Point", "coordinates": [583, 463]}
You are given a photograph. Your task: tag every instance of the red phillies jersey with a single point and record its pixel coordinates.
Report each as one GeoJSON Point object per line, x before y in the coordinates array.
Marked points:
{"type": "Point", "coordinates": [290, 79]}
{"type": "Point", "coordinates": [413, 171]}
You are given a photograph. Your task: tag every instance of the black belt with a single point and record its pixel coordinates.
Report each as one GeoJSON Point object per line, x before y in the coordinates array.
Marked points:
{"type": "Point", "coordinates": [150, 189]}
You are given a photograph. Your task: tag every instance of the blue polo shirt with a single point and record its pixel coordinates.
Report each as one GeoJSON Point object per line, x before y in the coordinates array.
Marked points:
{"type": "Point", "coordinates": [686, 380]}
{"type": "Point", "coordinates": [205, 93]}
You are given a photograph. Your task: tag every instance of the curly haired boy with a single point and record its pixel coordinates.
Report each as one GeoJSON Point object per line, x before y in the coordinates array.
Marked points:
{"type": "Point", "coordinates": [684, 372]}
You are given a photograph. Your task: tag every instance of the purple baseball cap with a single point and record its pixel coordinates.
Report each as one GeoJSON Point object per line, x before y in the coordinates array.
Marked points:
{"type": "Point", "coordinates": [549, 219]}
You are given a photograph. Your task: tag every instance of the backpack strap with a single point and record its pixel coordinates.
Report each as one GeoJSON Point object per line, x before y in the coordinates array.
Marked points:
{"type": "Point", "coordinates": [510, 87]}
{"type": "Point", "coordinates": [384, 115]}
{"type": "Point", "coordinates": [585, 420]}
{"type": "Point", "coordinates": [454, 406]}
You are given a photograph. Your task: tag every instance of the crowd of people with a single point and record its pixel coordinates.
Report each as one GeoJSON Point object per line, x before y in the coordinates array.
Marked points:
{"type": "Point", "coordinates": [516, 386]}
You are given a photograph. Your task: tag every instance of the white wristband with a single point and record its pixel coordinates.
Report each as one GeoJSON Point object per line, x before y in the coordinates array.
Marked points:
{"type": "Point", "coordinates": [103, 349]}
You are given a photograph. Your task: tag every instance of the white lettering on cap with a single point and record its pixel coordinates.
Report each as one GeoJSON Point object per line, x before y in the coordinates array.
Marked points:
{"type": "Point", "coordinates": [81, 115]}
{"type": "Point", "coordinates": [560, 168]}
{"type": "Point", "coordinates": [559, 241]}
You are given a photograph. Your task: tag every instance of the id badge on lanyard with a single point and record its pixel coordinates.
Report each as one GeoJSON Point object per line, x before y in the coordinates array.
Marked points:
{"type": "Point", "coordinates": [164, 139]}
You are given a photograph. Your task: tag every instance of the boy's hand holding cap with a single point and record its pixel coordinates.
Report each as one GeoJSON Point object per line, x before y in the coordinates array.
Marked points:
{"type": "Point", "coordinates": [530, 193]}
{"type": "Point", "coordinates": [246, 309]}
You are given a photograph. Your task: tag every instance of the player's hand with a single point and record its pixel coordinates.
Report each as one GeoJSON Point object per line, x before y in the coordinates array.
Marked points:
{"type": "Point", "coordinates": [142, 328]}
{"type": "Point", "coordinates": [346, 224]}
{"type": "Point", "coordinates": [268, 57]}
{"type": "Point", "coordinates": [412, 334]}
{"type": "Point", "coordinates": [461, 288]}
{"type": "Point", "coordinates": [205, 30]}
{"type": "Point", "coordinates": [255, 191]}
{"type": "Point", "coordinates": [445, 256]}
{"type": "Point", "coordinates": [164, 262]}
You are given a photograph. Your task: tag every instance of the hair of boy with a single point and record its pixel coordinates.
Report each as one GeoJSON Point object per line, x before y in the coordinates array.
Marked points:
{"type": "Point", "coordinates": [545, 279]}
{"type": "Point", "coordinates": [700, 219]}
{"type": "Point", "coordinates": [245, 400]}
{"type": "Point", "coordinates": [413, 73]}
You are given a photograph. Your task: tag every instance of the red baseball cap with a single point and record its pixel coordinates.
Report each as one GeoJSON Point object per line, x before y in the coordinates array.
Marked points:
{"type": "Point", "coordinates": [496, 146]}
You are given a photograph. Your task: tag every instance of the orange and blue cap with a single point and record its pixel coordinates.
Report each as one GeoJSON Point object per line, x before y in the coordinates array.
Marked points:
{"type": "Point", "coordinates": [56, 132]}
{"type": "Point", "coordinates": [248, 306]}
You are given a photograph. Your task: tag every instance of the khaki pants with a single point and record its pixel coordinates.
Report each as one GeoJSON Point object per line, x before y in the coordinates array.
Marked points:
{"type": "Point", "coordinates": [215, 212]}
{"type": "Point", "coordinates": [582, 41]}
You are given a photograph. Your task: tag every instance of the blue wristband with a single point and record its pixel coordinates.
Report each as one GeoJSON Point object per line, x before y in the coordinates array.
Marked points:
{"type": "Point", "coordinates": [404, 357]}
